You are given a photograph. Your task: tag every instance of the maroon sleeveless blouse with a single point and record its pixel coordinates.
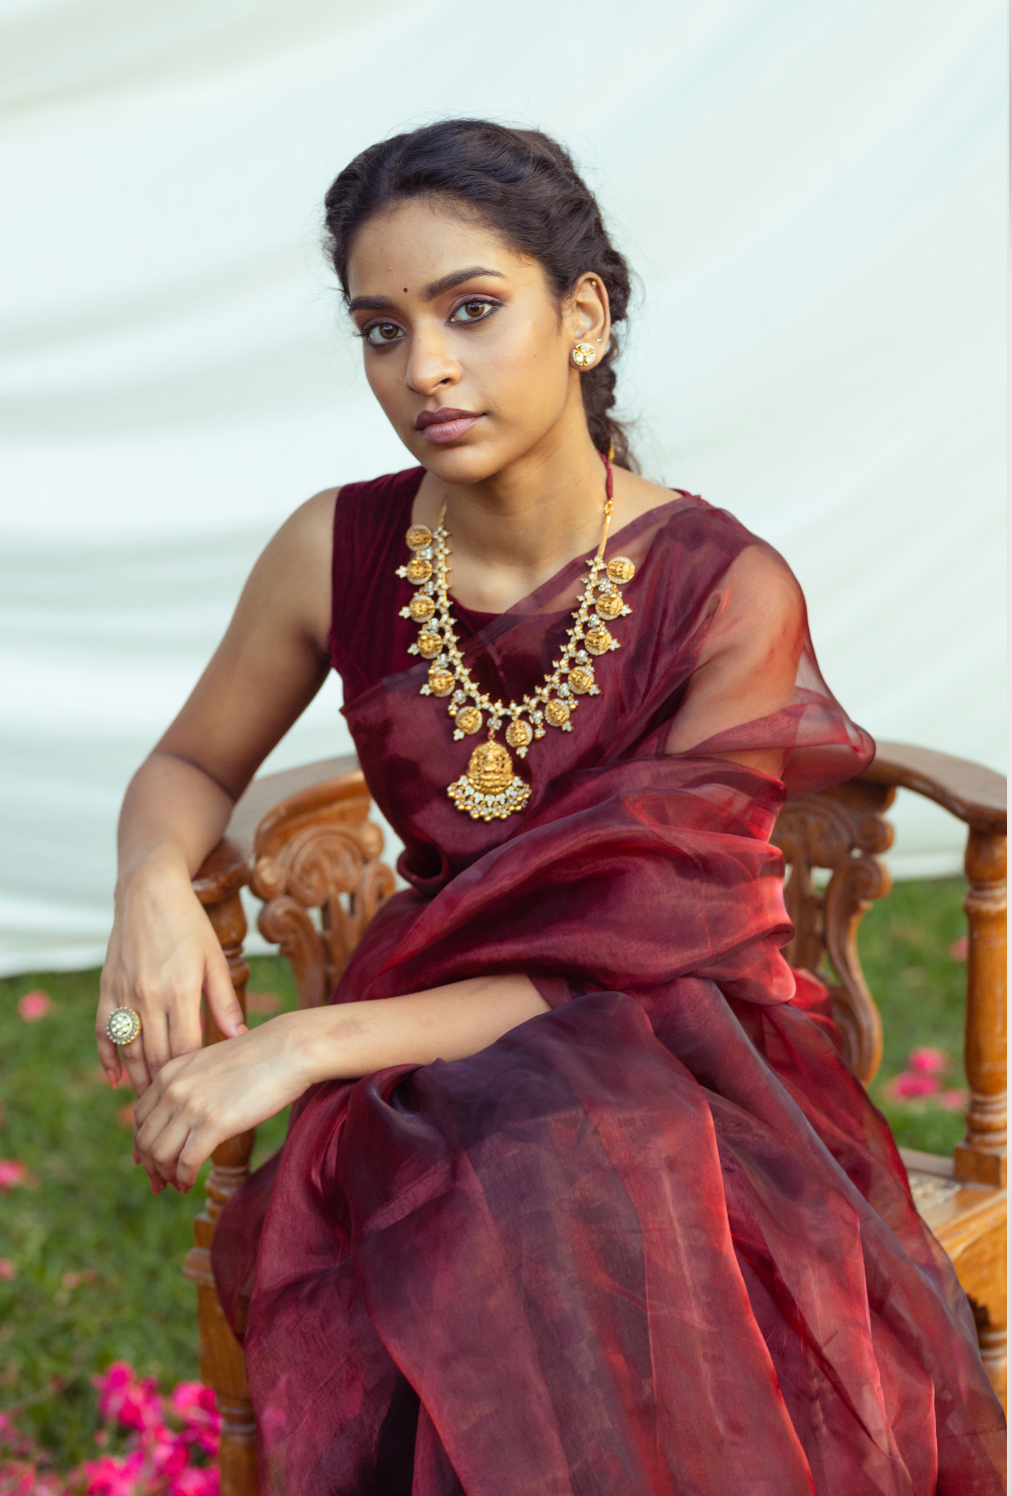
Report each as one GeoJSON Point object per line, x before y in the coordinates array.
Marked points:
{"type": "Point", "coordinates": [656, 1240]}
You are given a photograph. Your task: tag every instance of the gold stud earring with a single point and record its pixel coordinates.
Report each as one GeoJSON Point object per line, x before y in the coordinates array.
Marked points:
{"type": "Point", "coordinates": [584, 355]}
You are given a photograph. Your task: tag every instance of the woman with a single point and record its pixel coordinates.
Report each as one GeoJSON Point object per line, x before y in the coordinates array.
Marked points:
{"type": "Point", "coordinates": [578, 1195]}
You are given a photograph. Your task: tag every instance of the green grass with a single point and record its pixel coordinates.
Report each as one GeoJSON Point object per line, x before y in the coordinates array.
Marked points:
{"type": "Point", "coordinates": [91, 1210]}
{"type": "Point", "coordinates": [904, 942]}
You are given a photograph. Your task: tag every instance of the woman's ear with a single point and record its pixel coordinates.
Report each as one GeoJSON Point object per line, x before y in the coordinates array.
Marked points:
{"type": "Point", "coordinates": [587, 313]}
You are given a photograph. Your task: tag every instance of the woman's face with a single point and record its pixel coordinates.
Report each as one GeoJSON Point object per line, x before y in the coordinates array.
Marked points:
{"type": "Point", "coordinates": [457, 326]}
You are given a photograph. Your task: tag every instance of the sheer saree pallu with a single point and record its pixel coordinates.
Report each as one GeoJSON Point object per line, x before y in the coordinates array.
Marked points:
{"type": "Point", "coordinates": [656, 1240]}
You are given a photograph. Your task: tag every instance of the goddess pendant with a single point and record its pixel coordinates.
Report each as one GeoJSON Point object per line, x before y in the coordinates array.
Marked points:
{"type": "Point", "coordinates": [489, 790]}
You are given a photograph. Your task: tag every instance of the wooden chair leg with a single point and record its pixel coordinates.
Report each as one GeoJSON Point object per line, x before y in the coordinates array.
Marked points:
{"type": "Point", "coordinates": [980, 1158]}
{"type": "Point", "coordinates": [222, 1365]}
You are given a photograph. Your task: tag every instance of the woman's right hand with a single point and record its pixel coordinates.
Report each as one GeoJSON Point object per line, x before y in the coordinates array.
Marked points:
{"type": "Point", "coordinates": [162, 955]}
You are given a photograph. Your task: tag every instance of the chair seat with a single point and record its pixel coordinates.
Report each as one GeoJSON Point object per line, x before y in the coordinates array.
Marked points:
{"type": "Point", "coordinates": [968, 1221]}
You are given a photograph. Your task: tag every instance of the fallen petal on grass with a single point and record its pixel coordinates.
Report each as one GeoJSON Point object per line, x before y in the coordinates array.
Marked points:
{"type": "Point", "coordinates": [34, 1005]}
{"type": "Point", "coordinates": [954, 1101]}
{"type": "Point", "coordinates": [262, 1002]}
{"type": "Point", "coordinates": [12, 1172]}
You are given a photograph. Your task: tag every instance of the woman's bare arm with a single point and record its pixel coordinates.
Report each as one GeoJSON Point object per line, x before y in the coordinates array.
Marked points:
{"type": "Point", "coordinates": [200, 1099]}
{"type": "Point", "coordinates": [268, 667]}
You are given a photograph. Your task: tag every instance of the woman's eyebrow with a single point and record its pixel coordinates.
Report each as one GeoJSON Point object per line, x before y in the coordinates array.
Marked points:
{"type": "Point", "coordinates": [455, 278]}
{"type": "Point", "coordinates": [429, 293]}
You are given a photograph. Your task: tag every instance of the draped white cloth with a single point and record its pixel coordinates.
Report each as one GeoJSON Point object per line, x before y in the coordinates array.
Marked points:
{"type": "Point", "coordinates": [812, 192]}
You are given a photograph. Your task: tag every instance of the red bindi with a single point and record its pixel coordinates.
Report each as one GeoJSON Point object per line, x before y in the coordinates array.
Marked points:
{"type": "Point", "coordinates": [405, 290]}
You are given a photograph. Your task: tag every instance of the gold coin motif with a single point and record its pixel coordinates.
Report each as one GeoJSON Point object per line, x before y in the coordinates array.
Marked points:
{"type": "Point", "coordinates": [621, 569]}
{"type": "Point", "coordinates": [581, 679]}
{"type": "Point", "coordinates": [468, 719]}
{"type": "Point", "coordinates": [556, 712]}
{"type": "Point", "coordinates": [429, 645]}
{"type": "Point", "coordinates": [440, 681]}
{"type": "Point", "coordinates": [421, 607]}
{"type": "Point", "coordinates": [418, 569]}
{"type": "Point", "coordinates": [598, 640]}
{"type": "Point", "coordinates": [519, 734]}
{"type": "Point", "coordinates": [418, 537]}
{"type": "Point", "coordinates": [490, 769]}
{"type": "Point", "coordinates": [609, 606]}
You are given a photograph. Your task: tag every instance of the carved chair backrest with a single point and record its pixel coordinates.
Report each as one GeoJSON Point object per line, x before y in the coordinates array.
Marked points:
{"type": "Point", "coordinates": [317, 853]}
{"type": "Point", "coordinates": [842, 831]}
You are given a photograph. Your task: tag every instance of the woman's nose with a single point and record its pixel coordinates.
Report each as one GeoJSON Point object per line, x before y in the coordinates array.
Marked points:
{"type": "Point", "coordinates": [430, 365]}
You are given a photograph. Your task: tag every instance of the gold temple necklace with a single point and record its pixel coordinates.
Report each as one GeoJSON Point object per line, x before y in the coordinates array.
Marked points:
{"type": "Point", "coordinates": [490, 790]}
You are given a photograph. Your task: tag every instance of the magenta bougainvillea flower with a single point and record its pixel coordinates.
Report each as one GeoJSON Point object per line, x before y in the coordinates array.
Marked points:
{"type": "Point", "coordinates": [161, 1459]}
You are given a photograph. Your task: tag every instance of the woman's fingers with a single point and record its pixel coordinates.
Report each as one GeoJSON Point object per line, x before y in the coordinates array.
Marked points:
{"type": "Point", "coordinates": [175, 1129]}
{"type": "Point", "coordinates": [200, 1099]}
{"type": "Point", "coordinates": [220, 994]}
{"type": "Point", "coordinates": [132, 1057]}
{"type": "Point", "coordinates": [108, 1054]}
{"type": "Point", "coordinates": [107, 1051]}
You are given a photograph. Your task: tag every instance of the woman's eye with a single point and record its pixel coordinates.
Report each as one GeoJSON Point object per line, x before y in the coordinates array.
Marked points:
{"type": "Point", "coordinates": [382, 333]}
{"type": "Point", "coordinates": [472, 311]}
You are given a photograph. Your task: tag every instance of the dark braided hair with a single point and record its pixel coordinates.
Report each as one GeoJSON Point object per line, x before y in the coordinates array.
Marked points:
{"type": "Point", "coordinates": [522, 184]}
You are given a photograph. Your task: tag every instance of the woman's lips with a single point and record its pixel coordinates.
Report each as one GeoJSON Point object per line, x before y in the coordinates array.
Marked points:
{"type": "Point", "coordinates": [442, 427]}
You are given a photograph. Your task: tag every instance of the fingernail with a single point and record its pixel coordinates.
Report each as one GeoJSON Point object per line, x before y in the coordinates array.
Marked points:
{"type": "Point", "coordinates": [111, 1078]}
{"type": "Point", "coordinates": [242, 1029]}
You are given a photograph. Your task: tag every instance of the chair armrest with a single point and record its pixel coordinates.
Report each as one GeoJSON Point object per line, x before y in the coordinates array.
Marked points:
{"type": "Point", "coordinates": [976, 796]}
{"type": "Point", "coordinates": [973, 794]}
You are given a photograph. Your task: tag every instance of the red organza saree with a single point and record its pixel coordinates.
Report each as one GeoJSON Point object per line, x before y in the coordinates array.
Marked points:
{"type": "Point", "coordinates": [656, 1240]}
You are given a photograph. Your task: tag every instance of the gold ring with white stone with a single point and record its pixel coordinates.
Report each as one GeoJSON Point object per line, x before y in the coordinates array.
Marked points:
{"type": "Point", "coordinates": [124, 1025]}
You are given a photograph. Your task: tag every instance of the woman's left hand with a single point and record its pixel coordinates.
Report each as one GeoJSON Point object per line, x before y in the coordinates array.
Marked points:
{"type": "Point", "coordinates": [199, 1100]}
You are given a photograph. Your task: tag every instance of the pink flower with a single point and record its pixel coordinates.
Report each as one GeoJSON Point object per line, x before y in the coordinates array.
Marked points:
{"type": "Point", "coordinates": [169, 1453]}
{"type": "Point", "coordinates": [7, 1272]}
{"type": "Point", "coordinates": [928, 1061]}
{"type": "Point", "coordinates": [34, 1005]}
{"type": "Point", "coordinates": [194, 1481]}
{"type": "Point", "coordinates": [957, 950]}
{"type": "Point", "coordinates": [122, 1397]}
{"type": "Point", "coordinates": [954, 1101]}
{"type": "Point", "coordinates": [11, 1173]}
{"type": "Point", "coordinates": [194, 1404]}
{"type": "Point", "coordinates": [110, 1476]}
{"type": "Point", "coordinates": [907, 1086]}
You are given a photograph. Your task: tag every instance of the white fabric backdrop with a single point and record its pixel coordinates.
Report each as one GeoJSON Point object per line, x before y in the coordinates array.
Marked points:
{"type": "Point", "coordinates": [812, 192]}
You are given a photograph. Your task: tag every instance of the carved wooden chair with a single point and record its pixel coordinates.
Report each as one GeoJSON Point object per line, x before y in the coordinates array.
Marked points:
{"type": "Point", "coordinates": [303, 843]}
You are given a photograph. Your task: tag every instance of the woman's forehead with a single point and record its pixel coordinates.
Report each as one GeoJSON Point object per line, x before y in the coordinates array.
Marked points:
{"type": "Point", "coordinates": [422, 240]}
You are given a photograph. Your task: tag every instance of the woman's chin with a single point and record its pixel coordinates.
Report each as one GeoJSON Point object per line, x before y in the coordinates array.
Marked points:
{"type": "Point", "coordinates": [466, 460]}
